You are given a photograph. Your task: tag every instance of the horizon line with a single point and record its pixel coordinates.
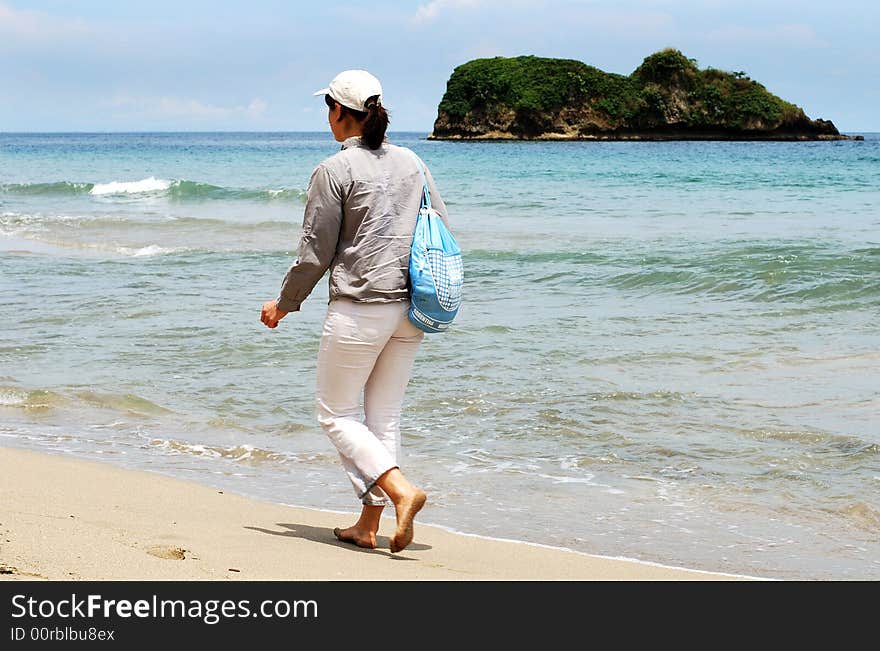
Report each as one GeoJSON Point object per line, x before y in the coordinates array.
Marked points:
{"type": "Point", "coordinates": [86, 132]}
{"type": "Point", "coordinates": [231, 131]}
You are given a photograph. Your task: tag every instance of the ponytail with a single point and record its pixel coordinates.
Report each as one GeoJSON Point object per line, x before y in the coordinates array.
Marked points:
{"type": "Point", "coordinates": [375, 123]}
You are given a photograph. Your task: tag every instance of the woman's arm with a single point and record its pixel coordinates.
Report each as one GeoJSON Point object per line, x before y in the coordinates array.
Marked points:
{"type": "Point", "coordinates": [317, 246]}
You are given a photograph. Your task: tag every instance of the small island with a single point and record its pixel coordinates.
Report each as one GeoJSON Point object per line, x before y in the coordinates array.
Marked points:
{"type": "Point", "coordinates": [666, 98]}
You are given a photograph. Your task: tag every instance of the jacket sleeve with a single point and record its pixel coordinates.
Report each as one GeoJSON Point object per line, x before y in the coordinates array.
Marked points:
{"type": "Point", "coordinates": [320, 235]}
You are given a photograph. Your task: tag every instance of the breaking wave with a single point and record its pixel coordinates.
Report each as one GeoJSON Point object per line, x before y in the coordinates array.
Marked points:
{"type": "Point", "coordinates": [177, 189]}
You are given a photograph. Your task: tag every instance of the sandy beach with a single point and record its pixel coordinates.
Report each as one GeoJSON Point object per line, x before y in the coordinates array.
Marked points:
{"type": "Point", "coordinates": [65, 518]}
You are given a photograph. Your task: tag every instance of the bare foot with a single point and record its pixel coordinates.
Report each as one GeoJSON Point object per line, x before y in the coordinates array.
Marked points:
{"type": "Point", "coordinates": [406, 511]}
{"type": "Point", "coordinates": [355, 536]}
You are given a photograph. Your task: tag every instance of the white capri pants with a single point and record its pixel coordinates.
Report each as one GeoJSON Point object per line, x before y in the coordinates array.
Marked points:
{"type": "Point", "coordinates": [366, 349]}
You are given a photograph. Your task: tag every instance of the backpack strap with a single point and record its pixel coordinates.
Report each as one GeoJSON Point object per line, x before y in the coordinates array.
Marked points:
{"type": "Point", "coordinates": [426, 194]}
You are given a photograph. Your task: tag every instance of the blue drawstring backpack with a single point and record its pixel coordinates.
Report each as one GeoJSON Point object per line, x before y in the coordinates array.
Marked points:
{"type": "Point", "coordinates": [436, 273]}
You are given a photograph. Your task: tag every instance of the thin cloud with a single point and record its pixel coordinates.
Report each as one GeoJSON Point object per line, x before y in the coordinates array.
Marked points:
{"type": "Point", "coordinates": [429, 12]}
{"type": "Point", "coordinates": [36, 27]}
{"type": "Point", "coordinates": [181, 107]}
{"type": "Point", "coordinates": [646, 22]}
{"type": "Point", "coordinates": [795, 34]}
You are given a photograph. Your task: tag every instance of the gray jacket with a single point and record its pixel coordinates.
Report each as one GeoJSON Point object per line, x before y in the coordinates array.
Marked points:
{"type": "Point", "coordinates": [359, 221]}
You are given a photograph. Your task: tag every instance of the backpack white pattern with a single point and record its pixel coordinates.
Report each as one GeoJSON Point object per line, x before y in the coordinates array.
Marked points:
{"type": "Point", "coordinates": [447, 271]}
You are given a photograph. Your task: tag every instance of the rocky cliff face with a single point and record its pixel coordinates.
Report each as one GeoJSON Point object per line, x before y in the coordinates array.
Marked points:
{"type": "Point", "coordinates": [666, 98]}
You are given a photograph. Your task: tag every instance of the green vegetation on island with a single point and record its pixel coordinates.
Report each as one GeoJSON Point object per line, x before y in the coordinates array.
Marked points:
{"type": "Point", "coordinates": [666, 97]}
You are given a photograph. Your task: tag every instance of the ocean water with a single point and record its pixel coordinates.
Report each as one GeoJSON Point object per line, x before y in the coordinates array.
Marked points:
{"type": "Point", "coordinates": [667, 351]}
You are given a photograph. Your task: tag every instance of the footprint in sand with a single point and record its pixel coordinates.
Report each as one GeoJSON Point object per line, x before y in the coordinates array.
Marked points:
{"type": "Point", "coordinates": [169, 553]}
{"type": "Point", "coordinates": [14, 571]}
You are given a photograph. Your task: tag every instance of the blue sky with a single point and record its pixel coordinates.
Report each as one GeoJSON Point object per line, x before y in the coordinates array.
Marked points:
{"type": "Point", "coordinates": [96, 65]}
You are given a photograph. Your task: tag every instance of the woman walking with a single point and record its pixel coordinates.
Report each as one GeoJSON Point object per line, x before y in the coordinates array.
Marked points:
{"type": "Point", "coordinates": [358, 223]}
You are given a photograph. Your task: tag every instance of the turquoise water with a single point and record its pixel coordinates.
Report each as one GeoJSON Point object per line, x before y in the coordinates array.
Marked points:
{"type": "Point", "coordinates": [667, 351]}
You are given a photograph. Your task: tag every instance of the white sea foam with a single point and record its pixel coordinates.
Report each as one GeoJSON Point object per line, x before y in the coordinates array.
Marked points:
{"type": "Point", "coordinates": [33, 241]}
{"type": "Point", "coordinates": [145, 251]}
{"type": "Point", "coordinates": [151, 184]}
{"type": "Point", "coordinates": [242, 452]}
{"type": "Point", "coordinates": [17, 221]}
{"type": "Point", "coordinates": [12, 397]}
{"type": "Point", "coordinates": [588, 479]}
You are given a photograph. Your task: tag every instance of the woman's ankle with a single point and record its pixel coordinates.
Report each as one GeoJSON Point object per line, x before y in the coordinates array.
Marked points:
{"type": "Point", "coordinates": [395, 485]}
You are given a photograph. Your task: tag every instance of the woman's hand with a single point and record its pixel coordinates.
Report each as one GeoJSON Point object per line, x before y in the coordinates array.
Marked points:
{"type": "Point", "coordinates": [271, 315]}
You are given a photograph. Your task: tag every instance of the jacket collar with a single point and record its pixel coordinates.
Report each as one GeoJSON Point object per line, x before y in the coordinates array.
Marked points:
{"type": "Point", "coordinates": [353, 141]}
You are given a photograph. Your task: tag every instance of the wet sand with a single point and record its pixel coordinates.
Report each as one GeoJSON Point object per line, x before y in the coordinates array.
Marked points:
{"type": "Point", "coordinates": [64, 518]}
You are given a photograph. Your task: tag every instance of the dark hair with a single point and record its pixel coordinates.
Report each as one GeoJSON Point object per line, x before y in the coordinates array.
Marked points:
{"type": "Point", "coordinates": [375, 119]}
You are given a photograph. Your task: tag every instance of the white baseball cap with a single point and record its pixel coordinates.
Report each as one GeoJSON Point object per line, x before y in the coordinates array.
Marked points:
{"type": "Point", "coordinates": [352, 88]}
